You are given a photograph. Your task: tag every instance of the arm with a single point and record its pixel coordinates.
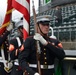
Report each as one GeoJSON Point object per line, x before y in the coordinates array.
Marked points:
{"type": "Point", "coordinates": [13, 48]}
{"type": "Point", "coordinates": [24, 58]}
{"type": "Point", "coordinates": [56, 49]}
{"type": "Point", "coordinates": [3, 37]}
{"type": "Point", "coordinates": [5, 34]}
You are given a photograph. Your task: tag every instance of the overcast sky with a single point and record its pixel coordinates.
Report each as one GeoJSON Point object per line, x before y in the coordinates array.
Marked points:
{"type": "Point", "coordinates": [16, 14]}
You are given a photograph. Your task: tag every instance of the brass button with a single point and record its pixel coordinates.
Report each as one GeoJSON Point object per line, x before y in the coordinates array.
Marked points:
{"type": "Point", "coordinates": [6, 44]}
{"type": "Point", "coordinates": [44, 53]}
{"type": "Point", "coordinates": [45, 62]}
{"type": "Point", "coordinates": [45, 58]}
{"type": "Point", "coordinates": [5, 41]}
{"type": "Point", "coordinates": [25, 71]}
{"type": "Point", "coordinates": [16, 69]}
{"type": "Point", "coordinates": [44, 49]}
{"type": "Point", "coordinates": [7, 47]}
{"type": "Point", "coordinates": [28, 73]}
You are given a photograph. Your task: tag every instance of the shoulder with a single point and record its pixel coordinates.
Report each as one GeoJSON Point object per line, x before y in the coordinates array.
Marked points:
{"type": "Point", "coordinates": [29, 39]}
{"type": "Point", "coordinates": [13, 41]}
{"type": "Point", "coordinates": [54, 40]}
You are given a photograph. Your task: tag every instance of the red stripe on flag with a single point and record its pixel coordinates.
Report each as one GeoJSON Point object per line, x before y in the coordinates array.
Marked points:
{"type": "Point", "coordinates": [28, 1]}
{"type": "Point", "coordinates": [24, 10]}
{"type": "Point", "coordinates": [21, 9]}
{"type": "Point", "coordinates": [7, 16]}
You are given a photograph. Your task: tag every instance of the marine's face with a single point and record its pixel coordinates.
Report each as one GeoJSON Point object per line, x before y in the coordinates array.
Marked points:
{"type": "Point", "coordinates": [20, 32]}
{"type": "Point", "coordinates": [44, 28]}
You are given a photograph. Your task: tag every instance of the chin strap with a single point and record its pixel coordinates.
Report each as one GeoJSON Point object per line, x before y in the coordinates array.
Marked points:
{"type": "Point", "coordinates": [41, 31]}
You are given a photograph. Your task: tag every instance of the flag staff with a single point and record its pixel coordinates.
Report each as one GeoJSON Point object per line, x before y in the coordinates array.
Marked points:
{"type": "Point", "coordinates": [37, 42]}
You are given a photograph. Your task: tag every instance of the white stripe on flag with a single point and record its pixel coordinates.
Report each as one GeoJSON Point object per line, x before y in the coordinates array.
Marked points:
{"type": "Point", "coordinates": [23, 7]}
{"type": "Point", "coordinates": [24, 3]}
{"type": "Point", "coordinates": [26, 25]}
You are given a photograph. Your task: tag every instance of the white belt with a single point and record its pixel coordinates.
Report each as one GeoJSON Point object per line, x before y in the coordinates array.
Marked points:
{"type": "Point", "coordinates": [3, 58]}
{"type": "Point", "coordinates": [42, 66]}
{"type": "Point", "coordinates": [0, 58]}
{"type": "Point", "coordinates": [3, 61]}
{"type": "Point", "coordinates": [16, 62]}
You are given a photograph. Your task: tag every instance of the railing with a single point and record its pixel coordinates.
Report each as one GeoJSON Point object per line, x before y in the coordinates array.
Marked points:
{"type": "Point", "coordinates": [69, 45]}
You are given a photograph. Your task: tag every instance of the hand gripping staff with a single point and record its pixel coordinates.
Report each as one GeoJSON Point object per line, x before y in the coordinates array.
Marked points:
{"type": "Point", "coordinates": [37, 42]}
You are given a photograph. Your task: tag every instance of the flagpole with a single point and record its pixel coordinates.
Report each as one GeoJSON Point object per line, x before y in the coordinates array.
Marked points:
{"type": "Point", "coordinates": [37, 42]}
{"type": "Point", "coordinates": [34, 14]}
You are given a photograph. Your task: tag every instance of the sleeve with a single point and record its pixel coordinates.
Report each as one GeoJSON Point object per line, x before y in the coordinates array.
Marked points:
{"type": "Point", "coordinates": [56, 49]}
{"type": "Point", "coordinates": [3, 37]}
{"type": "Point", "coordinates": [13, 50]}
{"type": "Point", "coordinates": [24, 56]}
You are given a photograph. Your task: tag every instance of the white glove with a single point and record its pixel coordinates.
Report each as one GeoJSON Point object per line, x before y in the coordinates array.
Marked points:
{"type": "Point", "coordinates": [10, 64]}
{"type": "Point", "coordinates": [10, 27]}
{"type": "Point", "coordinates": [8, 67]}
{"type": "Point", "coordinates": [37, 36]}
{"type": "Point", "coordinates": [36, 73]}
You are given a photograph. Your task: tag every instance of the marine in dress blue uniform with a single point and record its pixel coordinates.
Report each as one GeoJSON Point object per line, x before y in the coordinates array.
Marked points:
{"type": "Point", "coordinates": [16, 44]}
{"type": "Point", "coordinates": [49, 50]}
{"type": "Point", "coordinates": [5, 43]}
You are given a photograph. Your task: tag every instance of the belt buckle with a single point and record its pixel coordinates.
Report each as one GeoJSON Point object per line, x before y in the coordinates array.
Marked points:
{"type": "Point", "coordinates": [45, 66]}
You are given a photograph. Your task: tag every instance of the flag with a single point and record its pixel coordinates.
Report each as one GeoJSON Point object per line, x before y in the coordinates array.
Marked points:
{"type": "Point", "coordinates": [23, 7]}
{"type": "Point", "coordinates": [46, 1]}
{"type": "Point", "coordinates": [7, 16]}
{"type": "Point", "coordinates": [59, 68]}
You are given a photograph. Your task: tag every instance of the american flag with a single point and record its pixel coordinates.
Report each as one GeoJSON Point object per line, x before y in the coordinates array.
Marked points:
{"type": "Point", "coordinates": [7, 18]}
{"type": "Point", "coordinates": [23, 6]}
